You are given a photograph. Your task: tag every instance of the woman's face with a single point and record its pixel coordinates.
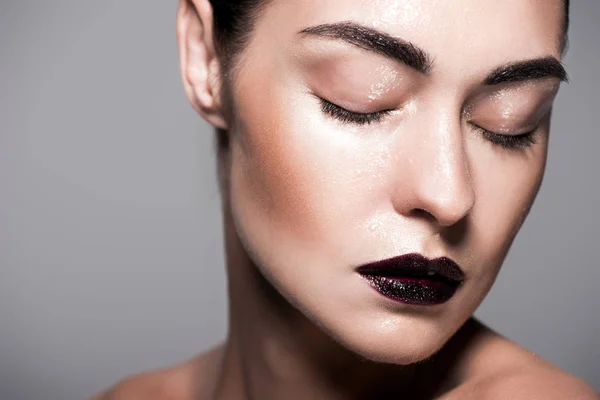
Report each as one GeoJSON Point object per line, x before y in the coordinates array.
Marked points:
{"type": "Point", "coordinates": [349, 147]}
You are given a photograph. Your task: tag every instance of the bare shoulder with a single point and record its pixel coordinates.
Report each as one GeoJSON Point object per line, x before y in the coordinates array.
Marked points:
{"type": "Point", "coordinates": [538, 382]}
{"type": "Point", "coordinates": [498, 368]}
{"type": "Point", "coordinates": [182, 382]}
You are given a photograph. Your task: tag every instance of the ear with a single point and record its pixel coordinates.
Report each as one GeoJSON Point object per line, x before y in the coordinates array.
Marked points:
{"type": "Point", "coordinates": [200, 68]}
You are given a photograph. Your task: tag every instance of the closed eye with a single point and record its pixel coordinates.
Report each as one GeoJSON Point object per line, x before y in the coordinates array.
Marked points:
{"type": "Point", "coordinates": [510, 142]}
{"type": "Point", "coordinates": [351, 117]}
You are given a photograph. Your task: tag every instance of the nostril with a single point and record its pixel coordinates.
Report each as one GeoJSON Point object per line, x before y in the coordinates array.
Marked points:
{"type": "Point", "coordinates": [456, 233]}
{"type": "Point", "coordinates": [442, 210]}
{"type": "Point", "coordinates": [421, 213]}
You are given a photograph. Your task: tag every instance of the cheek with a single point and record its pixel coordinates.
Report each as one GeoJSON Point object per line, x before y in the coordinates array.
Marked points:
{"type": "Point", "coordinates": [294, 178]}
{"type": "Point", "coordinates": [507, 184]}
{"type": "Point", "coordinates": [272, 178]}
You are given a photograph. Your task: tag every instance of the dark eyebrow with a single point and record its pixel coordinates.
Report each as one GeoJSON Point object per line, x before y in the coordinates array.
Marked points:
{"type": "Point", "coordinates": [375, 41]}
{"type": "Point", "coordinates": [548, 67]}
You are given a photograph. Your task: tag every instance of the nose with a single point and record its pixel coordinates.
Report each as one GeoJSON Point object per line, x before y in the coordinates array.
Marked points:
{"type": "Point", "coordinates": [436, 179]}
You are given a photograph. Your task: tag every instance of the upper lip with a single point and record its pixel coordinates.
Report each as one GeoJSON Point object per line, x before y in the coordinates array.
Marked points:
{"type": "Point", "coordinates": [415, 265]}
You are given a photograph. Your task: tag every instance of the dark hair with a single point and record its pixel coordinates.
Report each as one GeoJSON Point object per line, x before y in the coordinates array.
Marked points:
{"type": "Point", "coordinates": [233, 21]}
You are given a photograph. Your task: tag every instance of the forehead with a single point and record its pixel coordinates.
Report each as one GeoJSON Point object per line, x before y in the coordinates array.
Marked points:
{"type": "Point", "coordinates": [477, 32]}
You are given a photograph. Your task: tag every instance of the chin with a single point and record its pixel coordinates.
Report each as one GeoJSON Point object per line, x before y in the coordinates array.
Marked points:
{"type": "Point", "coordinates": [400, 340]}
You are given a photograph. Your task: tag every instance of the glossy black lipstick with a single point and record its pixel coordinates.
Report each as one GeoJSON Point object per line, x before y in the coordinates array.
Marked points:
{"type": "Point", "coordinates": [414, 279]}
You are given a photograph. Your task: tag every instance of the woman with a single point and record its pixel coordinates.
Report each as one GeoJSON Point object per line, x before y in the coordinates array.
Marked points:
{"type": "Point", "coordinates": [376, 160]}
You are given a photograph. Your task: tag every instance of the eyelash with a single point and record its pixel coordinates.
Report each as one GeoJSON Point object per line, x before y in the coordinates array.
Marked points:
{"type": "Point", "coordinates": [509, 142]}
{"type": "Point", "coordinates": [351, 117]}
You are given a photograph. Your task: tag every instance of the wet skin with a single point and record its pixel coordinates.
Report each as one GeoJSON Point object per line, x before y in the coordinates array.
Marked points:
{"type": "Point", "coordinates": [359, 131]}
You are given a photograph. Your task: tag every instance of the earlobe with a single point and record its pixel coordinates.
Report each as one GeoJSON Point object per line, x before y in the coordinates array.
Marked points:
{"type": "Point", "coordinates": [200, 67]}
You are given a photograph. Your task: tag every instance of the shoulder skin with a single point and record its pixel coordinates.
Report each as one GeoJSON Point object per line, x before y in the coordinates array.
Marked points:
{"type": "Point", "coordinates": [182, 382]}
{"type": "Point", "coordinates": [543, 383]}
{"type": "Point", "coordinates": [495, 368]}
{"type": "Point", "coordinates": [148, 386]}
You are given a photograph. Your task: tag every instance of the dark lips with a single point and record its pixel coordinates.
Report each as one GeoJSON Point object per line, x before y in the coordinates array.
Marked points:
{"type": "Point", "coordinates": [414, 279]}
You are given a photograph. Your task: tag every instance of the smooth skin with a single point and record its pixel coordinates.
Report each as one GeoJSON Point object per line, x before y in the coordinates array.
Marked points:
{"type": "Point", "coordinates": [308, 196]}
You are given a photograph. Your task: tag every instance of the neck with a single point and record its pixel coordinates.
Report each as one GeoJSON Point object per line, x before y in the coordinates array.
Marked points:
{"type": "Point", "coordinates": [273, 351]}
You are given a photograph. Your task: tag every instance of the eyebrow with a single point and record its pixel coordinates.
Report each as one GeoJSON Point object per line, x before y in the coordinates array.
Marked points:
{"type": "Point", "coordinates": [418, 59]}
{"type": "Point", "coordinates": [375, 41]}
{"type": "Point", "coordinates": [547, 67]}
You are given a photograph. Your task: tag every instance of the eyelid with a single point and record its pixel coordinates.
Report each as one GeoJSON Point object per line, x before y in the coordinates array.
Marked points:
{"type": "Point", "coordinates": [508, 132]}
{"type": "Point", "coordinates": [511, 142]}
{"type": "Point", "coordinates": [511, 111]}
{"type": "Point", "coordinates": [347, 116]}
{"type": "Point", "coordinates": [513, 123]}
{"type": "Point", "coordinates": [352, 106]}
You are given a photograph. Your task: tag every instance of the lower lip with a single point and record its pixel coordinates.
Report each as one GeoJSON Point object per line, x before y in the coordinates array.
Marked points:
{"type": "Point", "coordinates": [422, 292]}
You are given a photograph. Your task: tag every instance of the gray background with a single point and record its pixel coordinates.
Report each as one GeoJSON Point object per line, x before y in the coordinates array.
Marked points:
{"type": "Point", "coordinates": [110, 239]}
